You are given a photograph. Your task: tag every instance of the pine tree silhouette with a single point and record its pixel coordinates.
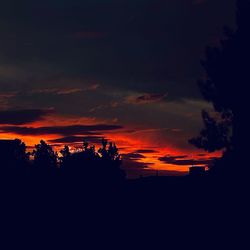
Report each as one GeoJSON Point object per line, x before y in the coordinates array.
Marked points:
{"type": "Point", "coordinates": [226, 87]}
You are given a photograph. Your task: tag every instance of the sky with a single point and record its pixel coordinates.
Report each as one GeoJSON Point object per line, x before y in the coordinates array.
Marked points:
{"type": "Point", "coordinates": [125, 70]}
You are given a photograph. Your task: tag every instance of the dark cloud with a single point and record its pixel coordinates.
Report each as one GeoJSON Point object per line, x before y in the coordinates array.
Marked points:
{"type": "Point", "coordinates": [183, 160]}
{"type": "Point", "coordinates": [62, 130]}
{"type": "Point", "coordinates": [132, 164]}
{"type": "Point", "coordinates": [170, 158]}
{"type": "Point", "coordinates": [63, 90]}
{"type": "Point", "coordinates": [77, 139]}
{"type": "Point", "coordinates": [56, 91]}
{"type": "Point", "coordinates": [7, 94]}
{"type": "Point", "coordinates": [133, 156]}
{"type": "Point", "coordinates": [135, 45]}
{"type": "Point", "coordinates": [20, 117]}
{"type": "Point", "coordinates": [145, 151]}
{"type": "Point", "coordinates": [146, 98]}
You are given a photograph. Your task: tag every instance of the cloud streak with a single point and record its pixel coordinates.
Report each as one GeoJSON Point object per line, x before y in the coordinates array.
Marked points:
{"type": "Point", "coordinates": [133, 156]}
{"type": "Point", "coordinates": [61, 130]}
{"type": "Point", "coordinates": [64, 91]}
{"type": "Point", "coordinates": [146, 151]}
{"type": "Point", "coordinates": [77, 139]}
{"type": "Point", "coordinates": [183, 160]}
{"type": "Point", "coordinates": [146, 98]}
{"type": "Point", "coordinates": [21, 117]}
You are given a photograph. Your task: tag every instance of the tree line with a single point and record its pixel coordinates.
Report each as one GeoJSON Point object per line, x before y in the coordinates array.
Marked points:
{"type": "Point", "coordinates": [43, 161]}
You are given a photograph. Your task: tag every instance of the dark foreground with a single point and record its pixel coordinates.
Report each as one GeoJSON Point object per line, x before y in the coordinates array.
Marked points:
{"type": "Point", "coordinates": [175, 212]}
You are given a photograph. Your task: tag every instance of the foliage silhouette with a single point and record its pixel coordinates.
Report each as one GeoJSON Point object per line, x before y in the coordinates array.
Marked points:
{"type": "Point", "coordinates": [13, 156]}
{"type": "Point", "coordinates": [44, 156]}
{"type": "Point", "coordinates": [91, 166]}
{"type": "Point", "coordinates": [54, 177]}
{"type": "Point", "coordinates": [226, 87]}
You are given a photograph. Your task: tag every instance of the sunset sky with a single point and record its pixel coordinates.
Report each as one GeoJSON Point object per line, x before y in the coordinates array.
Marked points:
{"type": "Point", "coordinates": [126, 70]}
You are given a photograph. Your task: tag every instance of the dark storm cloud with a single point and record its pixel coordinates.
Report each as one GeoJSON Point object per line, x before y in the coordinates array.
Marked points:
{"type": "Point", "coordinates": [20, 117]}
{"type": "Point", "coordinates": [183, 160]}
{"type": "Point", "coordinates": [62, 130]}
{"type": "Point", "coordinates": [133, 156]}
{"type": "Point", "coordinates": [145, 151]}
{"type": "Point", "coordinates": [137, 45]}
{"type": "Point", "coordinates": [77, 139]}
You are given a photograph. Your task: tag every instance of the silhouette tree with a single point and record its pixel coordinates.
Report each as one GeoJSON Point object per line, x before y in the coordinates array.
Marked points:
{"type": "Point", "coordinates": [89, 151]}
{"type": "Point", "coordinates": [113, 152]}
{"type": "Point", "coordinates": [44, 156]}
{"type": "Point", "coordinates": [20, 154]}
{"type": "Point", "coordinates": [226, 87]}
{"type": "Point", "coordinates": [65, 152]}
{"type": "Point", "coordinates": [83, 170]}
{"type": "Point", "coordinates": [109, 153]}
{"type": "Point", "coordinates": [216, 135]}
{"type": "Point", "coordinates": [111, 162]}
{"type": "Point", "coordinates": [13, 155]}
{"type": "Point", "coordinates": [89, 166]}
{"type": "Point", "coordinates": [103, 150]}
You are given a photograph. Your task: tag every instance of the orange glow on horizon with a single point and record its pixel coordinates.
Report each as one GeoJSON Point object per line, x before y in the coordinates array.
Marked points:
{"type": "Point", "coordinates": [127, 142]}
